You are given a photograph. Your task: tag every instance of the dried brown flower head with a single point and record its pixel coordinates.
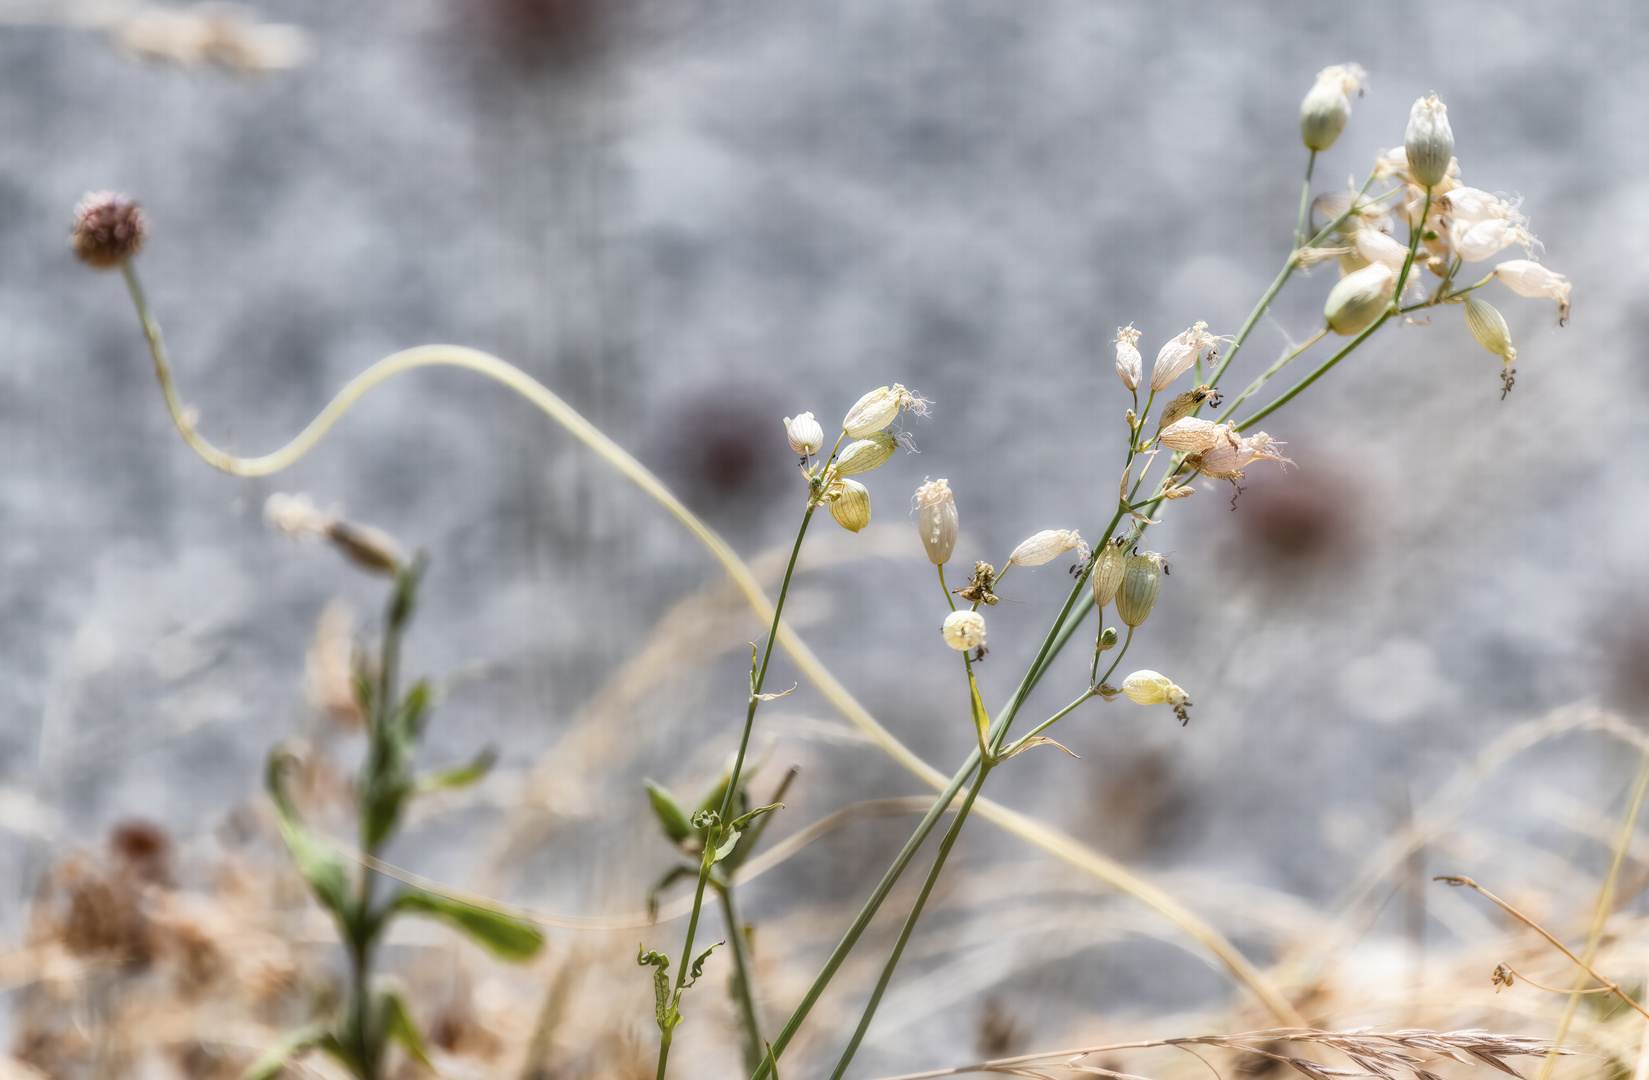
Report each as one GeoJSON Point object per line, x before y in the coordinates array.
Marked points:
{"type": "Point", "coordinates": [108, 229]}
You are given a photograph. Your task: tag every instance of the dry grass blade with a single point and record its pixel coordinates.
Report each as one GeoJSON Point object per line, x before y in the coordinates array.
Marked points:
{"type": "Point", "coordinates": [1386, 1055]}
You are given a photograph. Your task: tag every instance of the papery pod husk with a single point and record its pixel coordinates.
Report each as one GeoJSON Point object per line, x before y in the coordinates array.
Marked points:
{"type": "Point", "coordinates": [1141, 585]}
{"type": "Point", "coordinates": [938, 523]}
{"type": "Point", "coordinates": [1109, 566]}
{"type": "Point", "coordinates": [1184, 405]}
{"type": "Point", "coordinates": [866, 454]}
{"type": "Point", "coordinates": [851, 505]}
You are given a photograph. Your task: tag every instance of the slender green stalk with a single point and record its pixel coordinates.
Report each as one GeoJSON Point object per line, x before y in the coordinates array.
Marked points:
{"type": "Point", "coordinates": [733, 779]}
{"type": "Point", "coordinates": [1261, 379]}
{"type": "Point", "coordinates": [1305, 201]}
{"type": "Point", "coordinates": [1025, 739]}
{"type": "Point", "coordinates": [945, 845]}
{"type": "Point", "coordinates": [744, 986]}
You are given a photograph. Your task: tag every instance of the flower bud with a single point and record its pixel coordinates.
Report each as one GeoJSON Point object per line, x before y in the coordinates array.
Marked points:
{"type": "Point", "coordinates": [109, 229]}
{"type": "Point", "coordinates": [849, 504]}
{"type": "Point", "coordinates": [1530, 279]}
{"type": "Point", "coordinates": [936, 520]}
{"type": "Point", "coordinates": [1359, 298]}
{"type": "Point", "coordinates": [1108, 639]}
{"type": "Point", "coordinates": [804, 433]}
{"type": "Point", "coordinates": [1045, 546]}
{"type": "Point", "coordinates": [866, 454]}
{"type": "Point", "coordinates": [964, 630]}
{"type": "Point", "coordinates": [1488, 326]}
{"type": "Point", "coordinates": [1327, 105]}
{"type": "Point", "coordinates": [876, 410]}
{"type": "Point", "coordinates": [1129, 363]}
{"type": "Point", "coordinates": [1108, 571]}
{"type": "Point", "coordinates": [1429, 141]}
{"type": "Point", "coordinates": [1179, 354]}
{"type": "Point", "coordinates": [1141, 585]}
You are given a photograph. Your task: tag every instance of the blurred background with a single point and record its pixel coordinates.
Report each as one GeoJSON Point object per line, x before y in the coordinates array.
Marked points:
{"type": "Point", "coordinates": [694, 218]}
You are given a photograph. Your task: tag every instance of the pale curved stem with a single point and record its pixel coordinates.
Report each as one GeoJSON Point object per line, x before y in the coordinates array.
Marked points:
{"type": "Point", "coordinates": [1055, 842]}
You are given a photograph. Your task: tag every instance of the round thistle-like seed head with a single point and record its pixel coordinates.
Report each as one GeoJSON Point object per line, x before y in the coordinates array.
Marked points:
{"type": "Point", "coordinates": [964, 630]}
{"type": "Point", "coordinates": [805, 434]}
{"type": "Point", "coordinates": [1141, 585]}
{"type": "Point", "coordinates": [936, 520]}
{"type": "Point", "coordinates": [850, 504]}
{"type": "Point", "coordinates": [1108, 570]}
{"type": "Point", "coordinates": [1359, 298]}
{"type": "Point", "coordinates": [1488, 326]}
{"type": "Point", "coordinates": [109, 229]}
{"type": "Point", "coordinates": [1429, 142]}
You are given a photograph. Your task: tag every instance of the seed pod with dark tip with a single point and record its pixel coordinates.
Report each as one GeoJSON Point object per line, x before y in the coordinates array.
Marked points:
{"type": "Point", "coordinates": [1141, 585]}
{"type": "Point", "coordinates": [1108, 570]}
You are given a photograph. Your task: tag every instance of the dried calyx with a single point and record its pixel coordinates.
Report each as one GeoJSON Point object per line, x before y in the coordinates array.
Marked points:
{"type": "Point", "coordinates": [109, 229]}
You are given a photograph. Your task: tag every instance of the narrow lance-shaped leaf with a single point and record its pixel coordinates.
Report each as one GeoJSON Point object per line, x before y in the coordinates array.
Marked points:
{"type": "Point", "coordinates": [506, 936]}
{"type": "Point", "coordinates": [669, 813]}
{"type": "Point", "coordinates": [399, 1025]}
{"type": "Point", "coordinates": [268, 1065]}
{"type": "Point", "coordinates": [459, 776]}
{"type": "Point", "coordinates": [322, 867]}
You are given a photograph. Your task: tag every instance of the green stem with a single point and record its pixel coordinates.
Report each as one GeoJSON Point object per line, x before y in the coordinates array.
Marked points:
{"type": "Point", "coordinates": [744, 986]}
{"type": "Point", "coordinates": [1025, 739]}
{"type": "Point", "coordinates": [1127, 641]}
{"type": "Point", "coordinates": [1305, 201]}
{"type": "Point", "coordinates": [945, 588]}
{"type": "Point", "coordinates": [945, 846]}
{"type": "Point", "coordinates": [1322, 369]}
{"type": "Point", "coordinates": [733, 778]}
{"type": "Point", "coordinates": [1264, 376]}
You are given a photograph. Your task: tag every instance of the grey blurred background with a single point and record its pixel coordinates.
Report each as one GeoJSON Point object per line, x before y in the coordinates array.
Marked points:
{"type": "Point", "coordinates": [692, 218]}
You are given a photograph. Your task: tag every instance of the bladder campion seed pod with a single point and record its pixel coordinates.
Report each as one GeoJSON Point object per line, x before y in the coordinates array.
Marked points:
{"type": "Point", "coordinates": [1045, 546]}
{"type": "Point", "coordinates": [866, 454]}
{"type": "Point", "coordinates": [1359, 298]}
{"type": "Point", "coordinates": [1429, 142]}
{"type": "Point", "coordinates": [964, 630]}
{"type": "Point", "coordinates": [1192, 434]}
{"type": "Point", "coordinates": [876, 410]}
{"type": "Point", "coordinates": [1327, 105]}
{"type": "Point", "coordinates": [108, 229]}
{"type": "Point", "coordinates": [849, 504]}
{"type": "Point", "coordinates": [1108, 570]}
{"type": "Point", "coordinates": [804, 433]}
{"type": "Point", "coordinates": [1129, 362]}
{"type": "Point", "coordinates": [1141, 585]}
{"type": "Point", "coordinates": [1530, 279]}
{"type": "Point", "coordinates": [1179, 354]}
{"type": "Point", "coordinates": [936, 520]}
{"type": "Point", "coordinates": [1147, 687]}
{"type": "Point", "coordinates": [1488, 326]}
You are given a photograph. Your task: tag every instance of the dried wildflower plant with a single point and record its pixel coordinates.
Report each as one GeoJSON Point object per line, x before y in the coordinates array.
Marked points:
{"type": "Point", "coordinates": [1448, 225]}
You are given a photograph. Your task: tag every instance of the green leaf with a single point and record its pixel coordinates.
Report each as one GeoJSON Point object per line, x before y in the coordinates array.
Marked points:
{"type": "Point", "coordinates": [459, 776]}
{"type": "Point", "coordinates": [398, 1025]}
{"type": "Point", "coordinates": [664, 1011]}
{"type": "Point", "coordinates": [268, 1064]}
{"type": "Point", "coordinates": [745, 819]}
{"type": "Point", "coordinates": [505, 935]}
{"type": "Point", "coordinates": [695, 972]}
{"type": "Point", "coordinates": [414, 710]}
{"type": "Point", "coordinates": [322, 867]}
{"type": "Point", "coordinates": [725, 845]}
{"type": "Point", "coordinates": [669, 813]}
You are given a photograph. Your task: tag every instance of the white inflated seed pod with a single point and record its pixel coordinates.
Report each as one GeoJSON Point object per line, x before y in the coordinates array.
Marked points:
{"type": "Point", "coordinates": [806, 435]}
{"type": "Point", "coordinates": [1429, 142]}
{"type": "Point", "coordinates": [1141, 585]}
{"type": "Point", "coordinates": [866, 454]}
{"type": "Point", "coordinates": [850, 504]}
{"type": "Point", "coordinates": [936, 520]}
